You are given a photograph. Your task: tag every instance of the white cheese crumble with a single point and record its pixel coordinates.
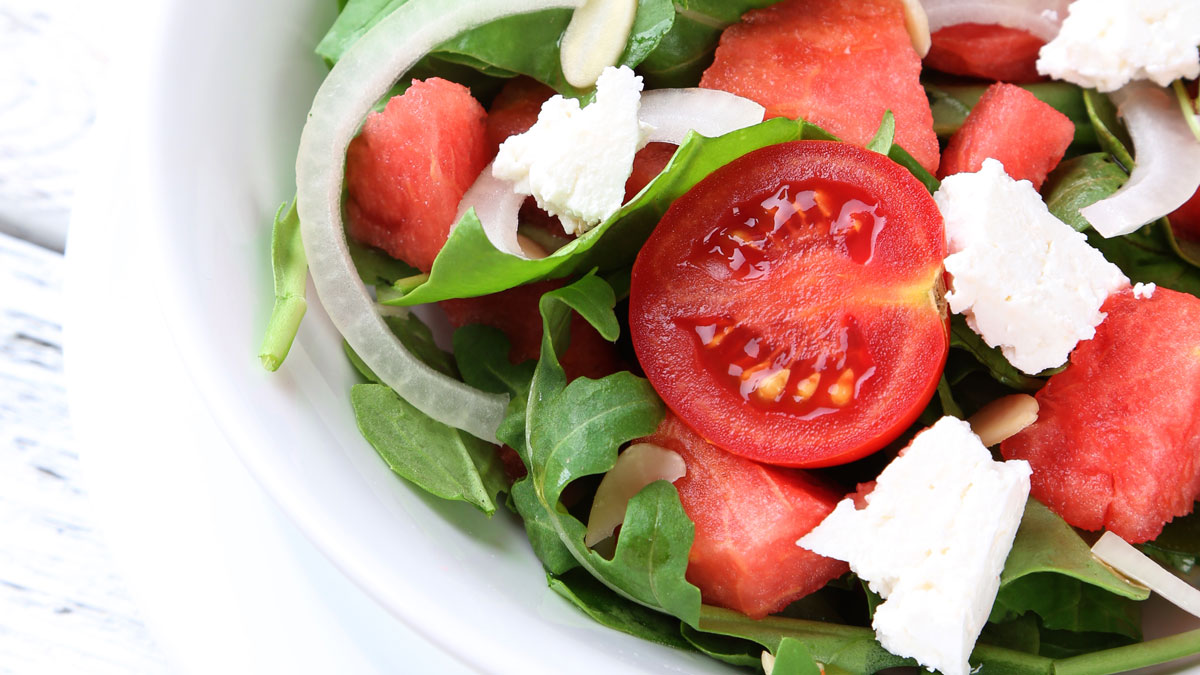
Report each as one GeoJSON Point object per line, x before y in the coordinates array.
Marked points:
{"type": "Point", "coordinates": [1143, 291]}
{"type": "Point", "coordinates": [1104, 44]}
{"type": "Point", "coordinates": [575, 161]}
{"type": "Point", "coordinates": [1025, 280]}
{"type": "Point", "coordinates": [932, 541]}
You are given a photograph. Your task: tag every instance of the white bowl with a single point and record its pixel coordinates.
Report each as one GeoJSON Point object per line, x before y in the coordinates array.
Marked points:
{"type": "Point", "coordinates": [226, 88]}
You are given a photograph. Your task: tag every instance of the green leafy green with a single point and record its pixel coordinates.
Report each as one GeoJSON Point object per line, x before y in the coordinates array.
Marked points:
{"type": "Point", "coordinates": [1147, 256]}
{"type": "Point", "coordinates": [568, 431]}
{"type": "Point", "coordinates": [375, 267]}
{"type": "Point", "coordinates": [289, 266]}
{"type": "Point", "coordinates": [482, 358]}
{"type": "Point", "coordinates": [881, 142]}
{"type": "Point", "coordinates": [951, 103]}
{"type": "Point", "coordinates": [1109, 130]}
{"type": "Point", "coordinates": [444, 461]}
{"type": "Point", "coordinates": [791, 658]}
{"type": "Point", "coordinates": [1080, 182]}
{"type": "Point", "coordinates": [1179, 543]}
{"type": "Point", "coordinates": [731, 650]}
{"type": "Point", "coordinates": [991, 358]}
{"type": "Point", "coordinates": [606, 607]}
{"type": "Point", "coordinates": [491, 50]}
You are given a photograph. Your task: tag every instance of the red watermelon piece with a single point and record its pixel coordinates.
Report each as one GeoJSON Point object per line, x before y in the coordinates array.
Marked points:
{"type": "Point", "coordinates": [748, 517]}
{"type": "Point", "coordinates": [410, 166]}
{"type": "Point", "coordinates": [515, 109]}
{"type": "Point", "coordinates": [1009, 124]}
{"type": "Point", "coordinates": [837, 63]}
{"type": "Point", "coordinates": [988, 51]}
{"type": "Point", "coordinates": [647, 164]}
{"type": "Point", "coordinates": [1117, 441]}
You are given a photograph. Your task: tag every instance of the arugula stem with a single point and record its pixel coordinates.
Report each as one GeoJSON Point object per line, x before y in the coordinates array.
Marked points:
{"type": "Point", "coordinates": [281, 330]}
{"type": "Point", "coordinates": [1139, 655]}
{"type": "Point", "coordinates": [289, 267]}
{"type": "Point", "coordinates": [406, 284]}
{"type": "Point", "coordinates": [1188, 107]}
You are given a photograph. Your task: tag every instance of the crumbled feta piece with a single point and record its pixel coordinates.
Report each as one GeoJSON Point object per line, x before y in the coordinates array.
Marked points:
{"type": "Point", "coordinates": [575, 161]}
{"type": "Point", "coordinates": [1104, 44]}
{"type": "Point", "coordinates": [932, 540]}
{"type": "Point", "coordinates": [1143, 291]}
{"type": "Point", "coordinates": [1025, 280]}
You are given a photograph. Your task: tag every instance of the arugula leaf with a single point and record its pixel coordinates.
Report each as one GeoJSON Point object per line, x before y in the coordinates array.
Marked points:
{"type": "Point", "coordinates": [1113, 137]}
{"type": "Point", "coordinates": [1147, 256]}
{"type": "Point", "coordinates": [437, 458]}
{"type": "Point", "coordinates": [491, 48]}
{"type": "Point", "coordinates": [881, 142]}
{"type": "Point", "coordinates": [481, 353]}
{"type": "Point", "coordinates": [731, 650]}
{"type": "Point", "coordinates": [606, 607]}
{"type": "Point", "coordinates": [1021, 634]}
{"type": "Point", "coordinates": [569, 431]}
{"type": "Point", "coordinates": [375, 267]}
{"type": "Point", "coordinates": [962, 337]}
{"type": "Point", "coordinates": [1080, 182]}
{"type": "Point", "coordinates": [792, 658]}
{"type": "Point", "coordinates": [289, 266]}
{"type": "Point", "coordinates": [1179, 543]}
{"type": "Point", "coordinates": [1066, 603]}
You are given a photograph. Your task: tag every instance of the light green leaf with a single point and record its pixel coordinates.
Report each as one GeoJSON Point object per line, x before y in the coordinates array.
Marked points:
{"type": "Point", "coordinates": [881, 142]}
{"type": "Point", "coordinates": [289, 266]}
{"type": "Point", "coordinates": [444, 461]}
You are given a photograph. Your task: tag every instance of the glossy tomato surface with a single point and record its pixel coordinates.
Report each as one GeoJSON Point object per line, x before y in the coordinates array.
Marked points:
{"type": "Point", "coordinates": [789, 307]}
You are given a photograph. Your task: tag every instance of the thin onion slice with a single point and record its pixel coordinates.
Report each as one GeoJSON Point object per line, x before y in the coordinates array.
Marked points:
{"type": "Point", "coordinates": [671, 112]}
{"type": "Point", "coordinates": [1168, 162]}
{"type": "Point", "coordinates": [1042, 18]}
{"type": "Point", "coordinates": [640, 465]}
{"type": "Point", "coordinates": [709, 112]}
{"type": "Point", "coordinates": [1124, 558]}
{"type": "Point", "coordinates": [363, 75]}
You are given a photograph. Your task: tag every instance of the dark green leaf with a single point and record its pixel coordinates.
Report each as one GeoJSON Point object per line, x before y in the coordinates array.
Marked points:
{"type": "Point", "coordinates": [606, 607]}
{"type": "Point", "coordinates": [654, 19]}
{"type": "Point", "coordinates": [1109, 130]}
{"type": "Point", "coordinates": [443, 461]}
{"type": "Point", "coordinates": [731, 650]}
{"type": "Point", "coordinates": [1062, 644]}
{"type": "Point", "coordinates": [1046, 543]}
{"type": "Point", "coordinates": [1080, 182]}
{"type": "Point", "coordinates": [962, 337]}
{"type": "Point", "coordinates": [482, 356]}
{"type": "Point", "coordinates": [289, 266]}
{"type": "Point", "coordinates": [1147, 256]}
{"type": "Point", "coordinates": [375, 267]}
{"type": "Point", "coordinates": [1021, 634]}
{"type": "Point", "coordinates": [1066, 603]}
{"type": "Point", "coordinates": [1179, 543]}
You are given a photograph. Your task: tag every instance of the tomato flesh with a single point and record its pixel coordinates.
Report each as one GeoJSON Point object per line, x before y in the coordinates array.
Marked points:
{"type": "Point", "coordinates": [789, 307]}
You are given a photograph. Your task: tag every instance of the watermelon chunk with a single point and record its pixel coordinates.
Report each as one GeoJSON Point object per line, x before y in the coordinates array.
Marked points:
{"type": "Point", "coordinates": [1117, 440]}
{"type": "Point", "coordinates": [647, 164]}
{"type": "Point", "coordinates": [1185, 220]}
{"type": "Point", "coordinates": [410, 166]}
{"type": "Point", "coordinates": [1009, 124]}
{"type": "Point", "coordinates": [988, 51]}
{"type": "Point", "coordinates": [748, 517]}
{"type": "Point", "coordinates": [837, 63]}
{"type": "Point", "coordinates": [515, 109]}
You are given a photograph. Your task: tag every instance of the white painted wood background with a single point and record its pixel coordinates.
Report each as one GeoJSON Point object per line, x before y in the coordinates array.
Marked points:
{"type": "Point", "coordinates": [63, 608]}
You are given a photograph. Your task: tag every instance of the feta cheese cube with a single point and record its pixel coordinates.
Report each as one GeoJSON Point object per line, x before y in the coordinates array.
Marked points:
{"type": "Point", "coordinates": [575, 161]}
{"type": "Point", "coordinates": [1025, 280]}
{"type": "Point", "coordinates": [932, 540]}
{"type": "Point", "coordinates": [1143, 291]}
{"type": "Point", "coordinates": [1104, 44]}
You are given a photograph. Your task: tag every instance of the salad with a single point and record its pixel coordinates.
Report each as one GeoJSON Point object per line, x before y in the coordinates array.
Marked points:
{"type": "Point", "coordinates": [806, 350]}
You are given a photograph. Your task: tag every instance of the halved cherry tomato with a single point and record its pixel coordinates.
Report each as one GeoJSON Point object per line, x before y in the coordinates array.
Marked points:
{"type": "Point", "coordinates": [790, 306]}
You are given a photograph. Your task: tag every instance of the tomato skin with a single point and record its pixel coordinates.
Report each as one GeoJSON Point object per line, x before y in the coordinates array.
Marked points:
{"type": "Point", "coordinates": [1117, 441]}
{"type": "Point", "coordinates": [890, 303]}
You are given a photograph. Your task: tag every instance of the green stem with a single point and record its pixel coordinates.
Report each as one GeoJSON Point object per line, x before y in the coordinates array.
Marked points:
{"type": "Point", "coordinates": [1189, 108]}
{"type": "Point", "coordinates": [403, 286]}
{"type": "Point", "coordinates": [1139, 655]}
{"type": "Point", "coordinates": [281, 330]}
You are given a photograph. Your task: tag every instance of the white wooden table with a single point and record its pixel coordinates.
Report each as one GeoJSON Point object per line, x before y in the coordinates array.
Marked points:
{"type": "Point", "coordinates": [63, 608]}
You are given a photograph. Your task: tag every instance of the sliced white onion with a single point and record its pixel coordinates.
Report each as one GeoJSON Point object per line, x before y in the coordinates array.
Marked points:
{"type": "Point", "coordinates": [363, 75]}
{"type": "Point", "coordinates": [497, 207]}
{"type": "Point", "coordinates": [671, 112]}
{"type": "Point", "coordinates": [1043, 18]}
{"type": "Point", "coordinates": [1124, 558]}
{"type": "Point", "coordinates": [640, 465]}
{"type": "Point", "coordinates": [595, 39]}
{"type": "Point", "coordinates": [710, 112]}
{"type": "Point", "coordinates": [1168, 162]}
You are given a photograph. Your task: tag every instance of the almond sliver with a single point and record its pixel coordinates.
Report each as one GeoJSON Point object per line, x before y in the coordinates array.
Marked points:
{"type": "Point", "coordinates": [595, 39]}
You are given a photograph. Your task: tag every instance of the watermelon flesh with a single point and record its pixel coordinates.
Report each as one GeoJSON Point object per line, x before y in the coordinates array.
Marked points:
{"type": "Point", "coordinates": [1117, 441]}
{"type": "Point", "coordinates": [1011, 125]}
{"type": "Point", "coordinates": [410, 166]}
{"type": "Point", "coordinates": [748, 517]}
{"type": "Point", "coordinates": [1185, 220]}
{"type": "Point", "coordinates": [987, 51]}
{"type": "Point", "coordinates": [837, 63]}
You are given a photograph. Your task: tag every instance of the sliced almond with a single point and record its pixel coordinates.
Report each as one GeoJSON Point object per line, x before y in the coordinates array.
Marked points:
{"type": "Point", "coordinates": [640, 465]}
{"type": "Point", "coordinates": [1003, 418]}
{"type": "Point", "coordinates": [917, 24]}
{"type": "Point", "coordinates": [768, 662]}
{"type": "Point", "coordinates": [595, 39]}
